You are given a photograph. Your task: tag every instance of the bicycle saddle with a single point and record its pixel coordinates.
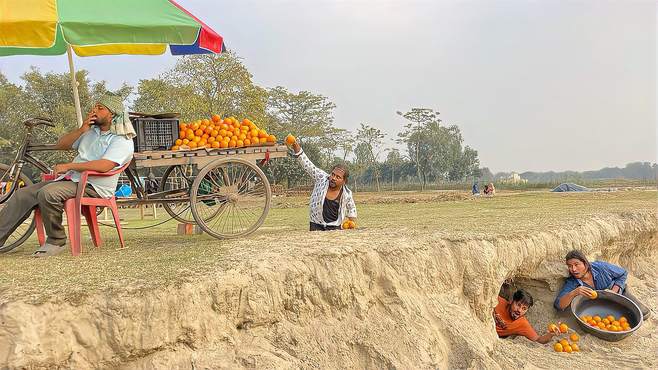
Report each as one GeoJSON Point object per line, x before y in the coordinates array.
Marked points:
{"type": "Point", "coordinates": [36, 121]}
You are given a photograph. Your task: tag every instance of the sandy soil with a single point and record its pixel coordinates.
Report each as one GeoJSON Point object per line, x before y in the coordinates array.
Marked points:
{"type": "Point", "coordinates": [373, 298]}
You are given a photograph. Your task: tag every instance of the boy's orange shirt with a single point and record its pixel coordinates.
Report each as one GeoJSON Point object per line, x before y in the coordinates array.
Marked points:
{"type": "Point", "coordinates": [514, 327]}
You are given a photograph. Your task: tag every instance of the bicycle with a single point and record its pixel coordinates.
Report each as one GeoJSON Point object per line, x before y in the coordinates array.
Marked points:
{"type": "Point", "coordinates": [12, 178]}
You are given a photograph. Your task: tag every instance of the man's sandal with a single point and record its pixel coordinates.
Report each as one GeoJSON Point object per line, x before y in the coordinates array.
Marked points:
{"type": "Point", "coordinates": [48, 250]}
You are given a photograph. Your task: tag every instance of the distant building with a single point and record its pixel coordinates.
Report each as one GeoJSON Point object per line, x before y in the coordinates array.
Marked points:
{"type": "Point", "coordinates": [514, 178]}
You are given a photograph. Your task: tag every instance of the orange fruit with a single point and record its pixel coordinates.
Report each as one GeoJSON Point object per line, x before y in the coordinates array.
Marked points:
{"type": "Point", "coordinates": [232, 143]}
{"type": "Point", "coordinates": [262, 134]}
{"type": "Point", "coordinates": [564, 342]}
{"type": "Point", "coordinates": [290, 139]}
{"type": "Point", "coordinates": [182, 134]}
{"type": "Point", "coordinates": [574, 337]}
{"type": "Point", "coordinates": [557, 347]}
{"type": "Point", "coordinates": [186, 141]}
{"type": "Point", "coordinates": [194, 127]}
{"type": "Point", "coordinates": [597, 318]}
{"type": "Point", "coordinates": [616, 323]}
{"type": "Point", "coordinates": [182, 126]}
{"type": "Point", "coordinates": [215, 118]}
{"type": "Point", "coordinates": [216, 144]}
{"type": "Point", "coordinates": [179, 142]}
{"type": "Point", "coordinates": [568, 349]}
{"type": "Point", "coordinates": [601, 325]}
{"type": "Point", "coordinates": [563, 328]}
{"type": "Point", "coordinates": [205, 122]}
{"type": "Point", "coordinates": [239, 143]}
{"type": "Point", "coordinates": [210, 140]}
{"type": "Point", "coordinates": [198, 132]}
{"type": "Point", "coordinates": [552, 328]}
{"type": "Point", "coordinates": [175, 147]}
{"type": "Point", "coordinates": [575, 347]}
{"type": "Point", "coordinates": [594, 295]}
{"type": "Point", "coordinates": [271, 139]}
{"type": "Point", "coordinates": [254, 133]}
{"type": "Point", "coordinates": [242, 136]}
{"type": "Point", "coordinates": [255, 140]}
{"type": "Point", "coordinates": [192, 145]}
{"type": "Point", "coordinates": [247, 142]}
{"type": "Point", "coordinates": [623, 319]}
{"type": "Point", "coordinates": [606, 321]}
{"type": "Point", "coordinates": [610, 318]}
{"type": "Point", "coordinates": [214, 133]}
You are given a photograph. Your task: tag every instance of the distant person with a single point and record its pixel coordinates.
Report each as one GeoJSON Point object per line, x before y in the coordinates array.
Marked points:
{"type": "Point", "coordinates": [489, 189]}
{"type": "Point", "coordinates": [584, 277]}
{"type": "Point", "coordinates": [475, 190]}
{"type": "Point", "coordinates": [509, 316]}
{"type": "Point", "coordinates": [331, 201]}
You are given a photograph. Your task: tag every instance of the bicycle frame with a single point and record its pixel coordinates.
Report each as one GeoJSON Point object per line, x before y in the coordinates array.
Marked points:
{"type": "Point", "coordinates": [23, 157]}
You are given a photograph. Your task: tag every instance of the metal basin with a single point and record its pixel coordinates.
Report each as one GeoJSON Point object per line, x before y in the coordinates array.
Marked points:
{"type": "Point", "coordinates": [607, 303]}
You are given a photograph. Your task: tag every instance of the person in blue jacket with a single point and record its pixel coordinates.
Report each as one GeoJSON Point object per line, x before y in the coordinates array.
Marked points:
{"type": "Point", "coordinates": [585, 277]}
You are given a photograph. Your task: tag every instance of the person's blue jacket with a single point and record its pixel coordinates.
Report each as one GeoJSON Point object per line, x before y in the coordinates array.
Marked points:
{"type": "Point", "coordinates": [604, 274]}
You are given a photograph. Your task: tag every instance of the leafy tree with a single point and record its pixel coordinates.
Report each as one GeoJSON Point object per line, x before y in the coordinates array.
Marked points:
{"type": "Point", "coordinates": [201, 85]}
{"type": "Point", "coordinates": [371, 140]}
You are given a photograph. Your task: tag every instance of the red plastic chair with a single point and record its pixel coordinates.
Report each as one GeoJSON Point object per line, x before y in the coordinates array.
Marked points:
{"type": "Point", "coordinates": [87, 207]}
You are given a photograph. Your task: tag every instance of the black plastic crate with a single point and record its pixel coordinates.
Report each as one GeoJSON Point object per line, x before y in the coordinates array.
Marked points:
{"type": "Point", "coordinates": [154, 134]}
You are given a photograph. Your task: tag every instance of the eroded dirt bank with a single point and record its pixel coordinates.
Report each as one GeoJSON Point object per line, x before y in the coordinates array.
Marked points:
{"type": "Point", "coordinates": [371, 299]}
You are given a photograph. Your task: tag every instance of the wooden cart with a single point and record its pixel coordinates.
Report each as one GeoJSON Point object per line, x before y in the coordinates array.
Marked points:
{"type": "Point", "coordinates": [223, 191]}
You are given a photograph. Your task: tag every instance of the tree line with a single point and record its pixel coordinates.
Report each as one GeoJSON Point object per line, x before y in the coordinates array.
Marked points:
{"type": "Point", "coordinates": [198, 86]}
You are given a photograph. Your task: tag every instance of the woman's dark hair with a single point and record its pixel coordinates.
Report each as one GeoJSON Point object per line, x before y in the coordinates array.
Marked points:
{"type": "Point", "coordinates": [523, 297]}
{"type": "Point", "coordinates": [576, 254]}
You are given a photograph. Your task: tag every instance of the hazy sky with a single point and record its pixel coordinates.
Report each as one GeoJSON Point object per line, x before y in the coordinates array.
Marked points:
{"type": "Point", "coordinates": [533, 85]}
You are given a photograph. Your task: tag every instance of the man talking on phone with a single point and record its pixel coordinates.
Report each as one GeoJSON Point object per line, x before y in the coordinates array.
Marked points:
{"type": "Point", "coordinates": [104, 142]}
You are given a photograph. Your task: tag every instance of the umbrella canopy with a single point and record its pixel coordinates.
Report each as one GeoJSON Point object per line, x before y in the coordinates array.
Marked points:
{"type": "Point", "coordinates": [144, 27]}
{"type": "Point", "coordinates": [102, 27]}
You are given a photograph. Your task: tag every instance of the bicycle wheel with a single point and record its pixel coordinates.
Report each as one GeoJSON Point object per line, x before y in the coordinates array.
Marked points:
{"type": "Point", "coordinates": [230, 198]}
{"type": "Point", "coordinates": [177, 181]}
{"type": "Point", "coordinates": [25, 229]}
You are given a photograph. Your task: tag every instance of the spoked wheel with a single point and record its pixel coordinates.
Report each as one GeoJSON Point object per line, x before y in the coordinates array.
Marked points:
{"type": "Point", "coordinates": [230, 198]}
{"type": "Point", "coordinates": [25, 229]}
{"type": "Point", "coordinates": [177, 181]}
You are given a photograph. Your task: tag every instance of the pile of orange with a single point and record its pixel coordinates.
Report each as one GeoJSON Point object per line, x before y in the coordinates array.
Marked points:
{"type": "Point", "coordinates": [349, 224]}
{"type": "Point", "coordinates": [608, 323]}
{"type": "Point", "coordinates": [218, 133]}
{"type": "Point", "coordinates": [563, 345]}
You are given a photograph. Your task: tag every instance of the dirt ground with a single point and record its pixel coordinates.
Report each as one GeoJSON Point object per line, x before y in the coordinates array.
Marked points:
{"type": "Point", "coordinates": [412, 287]}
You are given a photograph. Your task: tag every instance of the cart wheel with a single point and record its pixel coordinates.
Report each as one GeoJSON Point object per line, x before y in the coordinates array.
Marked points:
{"type": "Point", "coordinates": [24, 230]}
{"type": "Point", "coordinates": [230, 198]}
{"type": "Point", "coordinates": [178, 180]}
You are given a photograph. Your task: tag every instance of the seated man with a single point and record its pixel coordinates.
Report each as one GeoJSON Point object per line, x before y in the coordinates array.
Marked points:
{"type": "Point", "coordinates": [331, 200]}
{"type": "Point", "coordinates": [510, 316]}
{"type": "Point", "coordinates": [103, 143]}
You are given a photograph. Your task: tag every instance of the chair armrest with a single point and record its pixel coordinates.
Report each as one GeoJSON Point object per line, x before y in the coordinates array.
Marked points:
{"type": "Point", "coordinates": [85, 174]}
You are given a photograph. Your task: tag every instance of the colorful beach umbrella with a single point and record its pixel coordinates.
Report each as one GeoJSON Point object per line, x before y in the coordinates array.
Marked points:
{"type": "Point", "coordinates": [102, 27]}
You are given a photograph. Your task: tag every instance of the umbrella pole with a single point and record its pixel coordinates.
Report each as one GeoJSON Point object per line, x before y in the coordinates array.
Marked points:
{"type": "Point", "coordinates": [74, 85]}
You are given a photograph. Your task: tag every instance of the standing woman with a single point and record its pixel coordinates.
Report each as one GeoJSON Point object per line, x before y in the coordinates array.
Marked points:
{"type": "Point", "coordinates": [586, 277]}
